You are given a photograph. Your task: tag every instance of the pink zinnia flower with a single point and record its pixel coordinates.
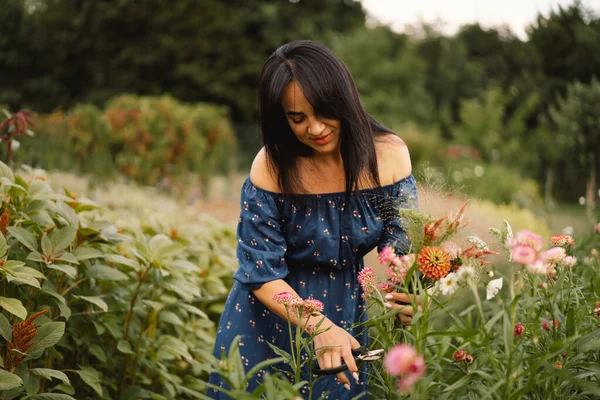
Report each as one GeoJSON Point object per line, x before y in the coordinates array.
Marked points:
{"type": "Point", "coordinates": [368, 281]}
{"type": "Point", "coordinates": [400, 360]}
{"type": "Point", "coordinates": [386, 255]}
{"type": "Point", "coordinates": [519, 329]}
{"type": "Point", "coordinates": [562, 240]}
{"type": "Point", "coordinates": [530, 238]}
{"type": "Point", "coordinates": [523, 254]}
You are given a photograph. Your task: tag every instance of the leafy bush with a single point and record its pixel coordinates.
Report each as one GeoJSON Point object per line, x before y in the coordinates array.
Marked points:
{"type": "Point", "coordinates": [124, 301]}
{"type": "Point", "coordinates": [145, 138]}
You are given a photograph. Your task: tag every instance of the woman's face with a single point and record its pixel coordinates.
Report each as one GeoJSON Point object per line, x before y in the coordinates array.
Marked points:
{"type": "Point", "coordinates": [319, 133]}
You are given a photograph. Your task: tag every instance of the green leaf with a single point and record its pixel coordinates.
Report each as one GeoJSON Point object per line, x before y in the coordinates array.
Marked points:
{"type": "Point", "coordinates": [94, 300]}
{"type": "Point", "coordinates": [13, 306]}
{"type": "Point", "coordinates": [48, 335]}
{"type": "Point", "coordinates": [134, 393]}
{"type": "Point", "coordinates": [124, 347]}
{"type": "Point", "coordinates": [31, 383]}
{"type": "Point", "coordinates": [25, 237]}
{"type": "Point", "coordinates": [35, 256]}
{"type": "Point", "coordinates": [68, 389]}
{"type": "Point", "coordinates": [97, 352]}
{"type": "Point", "coordinates": [47, 247]}
{"type": "Point", "coordinates": [170, 318]}
{"type": "Point", "coordinates": [8, 380]}
{"type": "Point", "coordinates": [119, 259]}
{"type": "Point", "coordinates": [64, 237]}
{"type": "Point", "coordinates": [50, 374]}
{"type": "Point", "coordinates": [86, 253]}
{"type": "Point", "coordinates": [64, 309]}
{"type": "Point", "coordinates": [106, 273]}
{"type": "Point", "coordinates": [25, 279]}
{"type": "Point", "coordinates": [69, 270]}
{"type": "Point", "coordinates": [50, 396]}
{"type": "Point", "coordinates": [6, 172]}
{"type": "Point", "coordinates": [92, 377]}
{"type": "Point", "coordinates": [29, 271]}
{"type": "Point", "coordinates": [5, 328]}
{"type": "Point", "coordinates": [68, 257]}
{"type": "Point", "coordinates": [3, 246]}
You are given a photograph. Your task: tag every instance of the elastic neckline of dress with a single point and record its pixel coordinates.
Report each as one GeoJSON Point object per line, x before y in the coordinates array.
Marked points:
{"type": "Point", "coordinates": [333, 194]}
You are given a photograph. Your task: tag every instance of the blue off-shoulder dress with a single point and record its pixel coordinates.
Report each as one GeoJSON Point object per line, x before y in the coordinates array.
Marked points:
{"type": "Point", "coordinates": [316, 243]}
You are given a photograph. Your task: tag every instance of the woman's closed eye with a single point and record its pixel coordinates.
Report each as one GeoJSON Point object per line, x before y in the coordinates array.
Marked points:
{"type": "Point", "coordinates": [298, 120]}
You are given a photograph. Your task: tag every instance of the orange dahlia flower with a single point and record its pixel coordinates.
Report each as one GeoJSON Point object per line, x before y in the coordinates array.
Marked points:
{"type": "Point", "coordinates": [433, 262]}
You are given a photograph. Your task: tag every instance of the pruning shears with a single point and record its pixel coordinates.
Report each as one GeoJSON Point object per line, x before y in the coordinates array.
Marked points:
{"type": "Point", "coordinates": [361, 354]}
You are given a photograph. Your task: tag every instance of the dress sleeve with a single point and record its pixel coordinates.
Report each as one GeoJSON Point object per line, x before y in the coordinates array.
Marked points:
{"type": "Point", "coordinates": [261, 246]}
{"type": "Point", "coordinates": [404, 195]}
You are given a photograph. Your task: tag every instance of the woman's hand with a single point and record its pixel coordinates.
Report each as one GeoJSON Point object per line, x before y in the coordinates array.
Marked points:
{"type": "Point", "coordinates": [333, 345]}
{"type": "Point", "coordinates": [406, 301]}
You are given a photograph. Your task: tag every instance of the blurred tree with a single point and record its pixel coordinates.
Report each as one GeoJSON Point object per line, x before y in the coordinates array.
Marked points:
{"type": "Point", "coordinates": [389, 74]}
{"type": "Point", "coordinates": [578, 116]}
{"type": "Point", "coordinates": [209, 50]}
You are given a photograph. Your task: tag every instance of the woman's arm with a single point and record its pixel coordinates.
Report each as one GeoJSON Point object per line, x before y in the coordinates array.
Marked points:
{"type": "Point", "coordinates": [338, 343]}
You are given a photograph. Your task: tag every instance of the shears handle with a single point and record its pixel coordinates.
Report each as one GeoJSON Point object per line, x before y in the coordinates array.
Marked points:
{"type": "Point", "coordinates": [333, 371]}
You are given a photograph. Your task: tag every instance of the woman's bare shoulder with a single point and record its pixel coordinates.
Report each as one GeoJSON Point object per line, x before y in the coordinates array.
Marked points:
{"type": "Point", "coordinates": [393, 158]}
{"type": "Point", "coordinates": [262, 173]}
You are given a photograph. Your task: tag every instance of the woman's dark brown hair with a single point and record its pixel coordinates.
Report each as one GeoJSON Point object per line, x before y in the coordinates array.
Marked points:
{"type": "Point", "coordinates": [328, 86]}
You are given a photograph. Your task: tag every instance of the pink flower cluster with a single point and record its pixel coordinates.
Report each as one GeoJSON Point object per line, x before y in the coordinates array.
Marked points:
{"type": "Point", "coordinates": [526, 249]}
{"type": "Point", "coordinates": [295, 304]}
{"type": "Point", "coordinates": [462, 355]}
{"type": "Point", "coordinates": [368, 281]}
{"type": "Point", "coordinates": [398, 266]}
{"type": "Point", "coordinates": [404, 362]}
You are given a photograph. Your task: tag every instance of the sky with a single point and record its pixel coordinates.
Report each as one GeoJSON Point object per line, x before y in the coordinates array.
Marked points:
{"type": "Point", "coordinates": [517, 14]}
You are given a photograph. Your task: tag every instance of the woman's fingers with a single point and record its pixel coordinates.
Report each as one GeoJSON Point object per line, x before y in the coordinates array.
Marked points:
{"type": "Point", "coordinates": [350, 362]}
{"type": "Point", "coordinates": [403, 297]}
{"type": "Point", "coordinates": [405, 319]}
{"type": "Point", "coordinates": [336, 361]}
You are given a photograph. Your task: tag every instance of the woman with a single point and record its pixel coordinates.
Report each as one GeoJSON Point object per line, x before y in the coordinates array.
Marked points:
{"type": "Point", "coordinates": [313, 206]}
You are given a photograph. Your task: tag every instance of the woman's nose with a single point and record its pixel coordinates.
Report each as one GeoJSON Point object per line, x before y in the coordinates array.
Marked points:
{"type": "Point", "coordinates": [316, 127]}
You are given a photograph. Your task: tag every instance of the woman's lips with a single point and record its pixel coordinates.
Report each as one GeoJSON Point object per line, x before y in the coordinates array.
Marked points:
{"type": "Point", "coordinates": [323, 139]}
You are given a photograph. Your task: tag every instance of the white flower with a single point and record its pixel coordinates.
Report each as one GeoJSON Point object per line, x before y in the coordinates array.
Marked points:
{"type": "Point", "coordinates": [480, 244]}
{"type": "Point", "coordinates": [492, 288]}
{"type": "Point", "coordinates": [569, 261]}
{"type": "Point", "coordinates": [491, 274]}
{"type": "Point", "coordinates": [466, 273]}
{"type": "Point", "coordinates": [449, 283]}
{"type": "Point", "coordinates": [538, 268]}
